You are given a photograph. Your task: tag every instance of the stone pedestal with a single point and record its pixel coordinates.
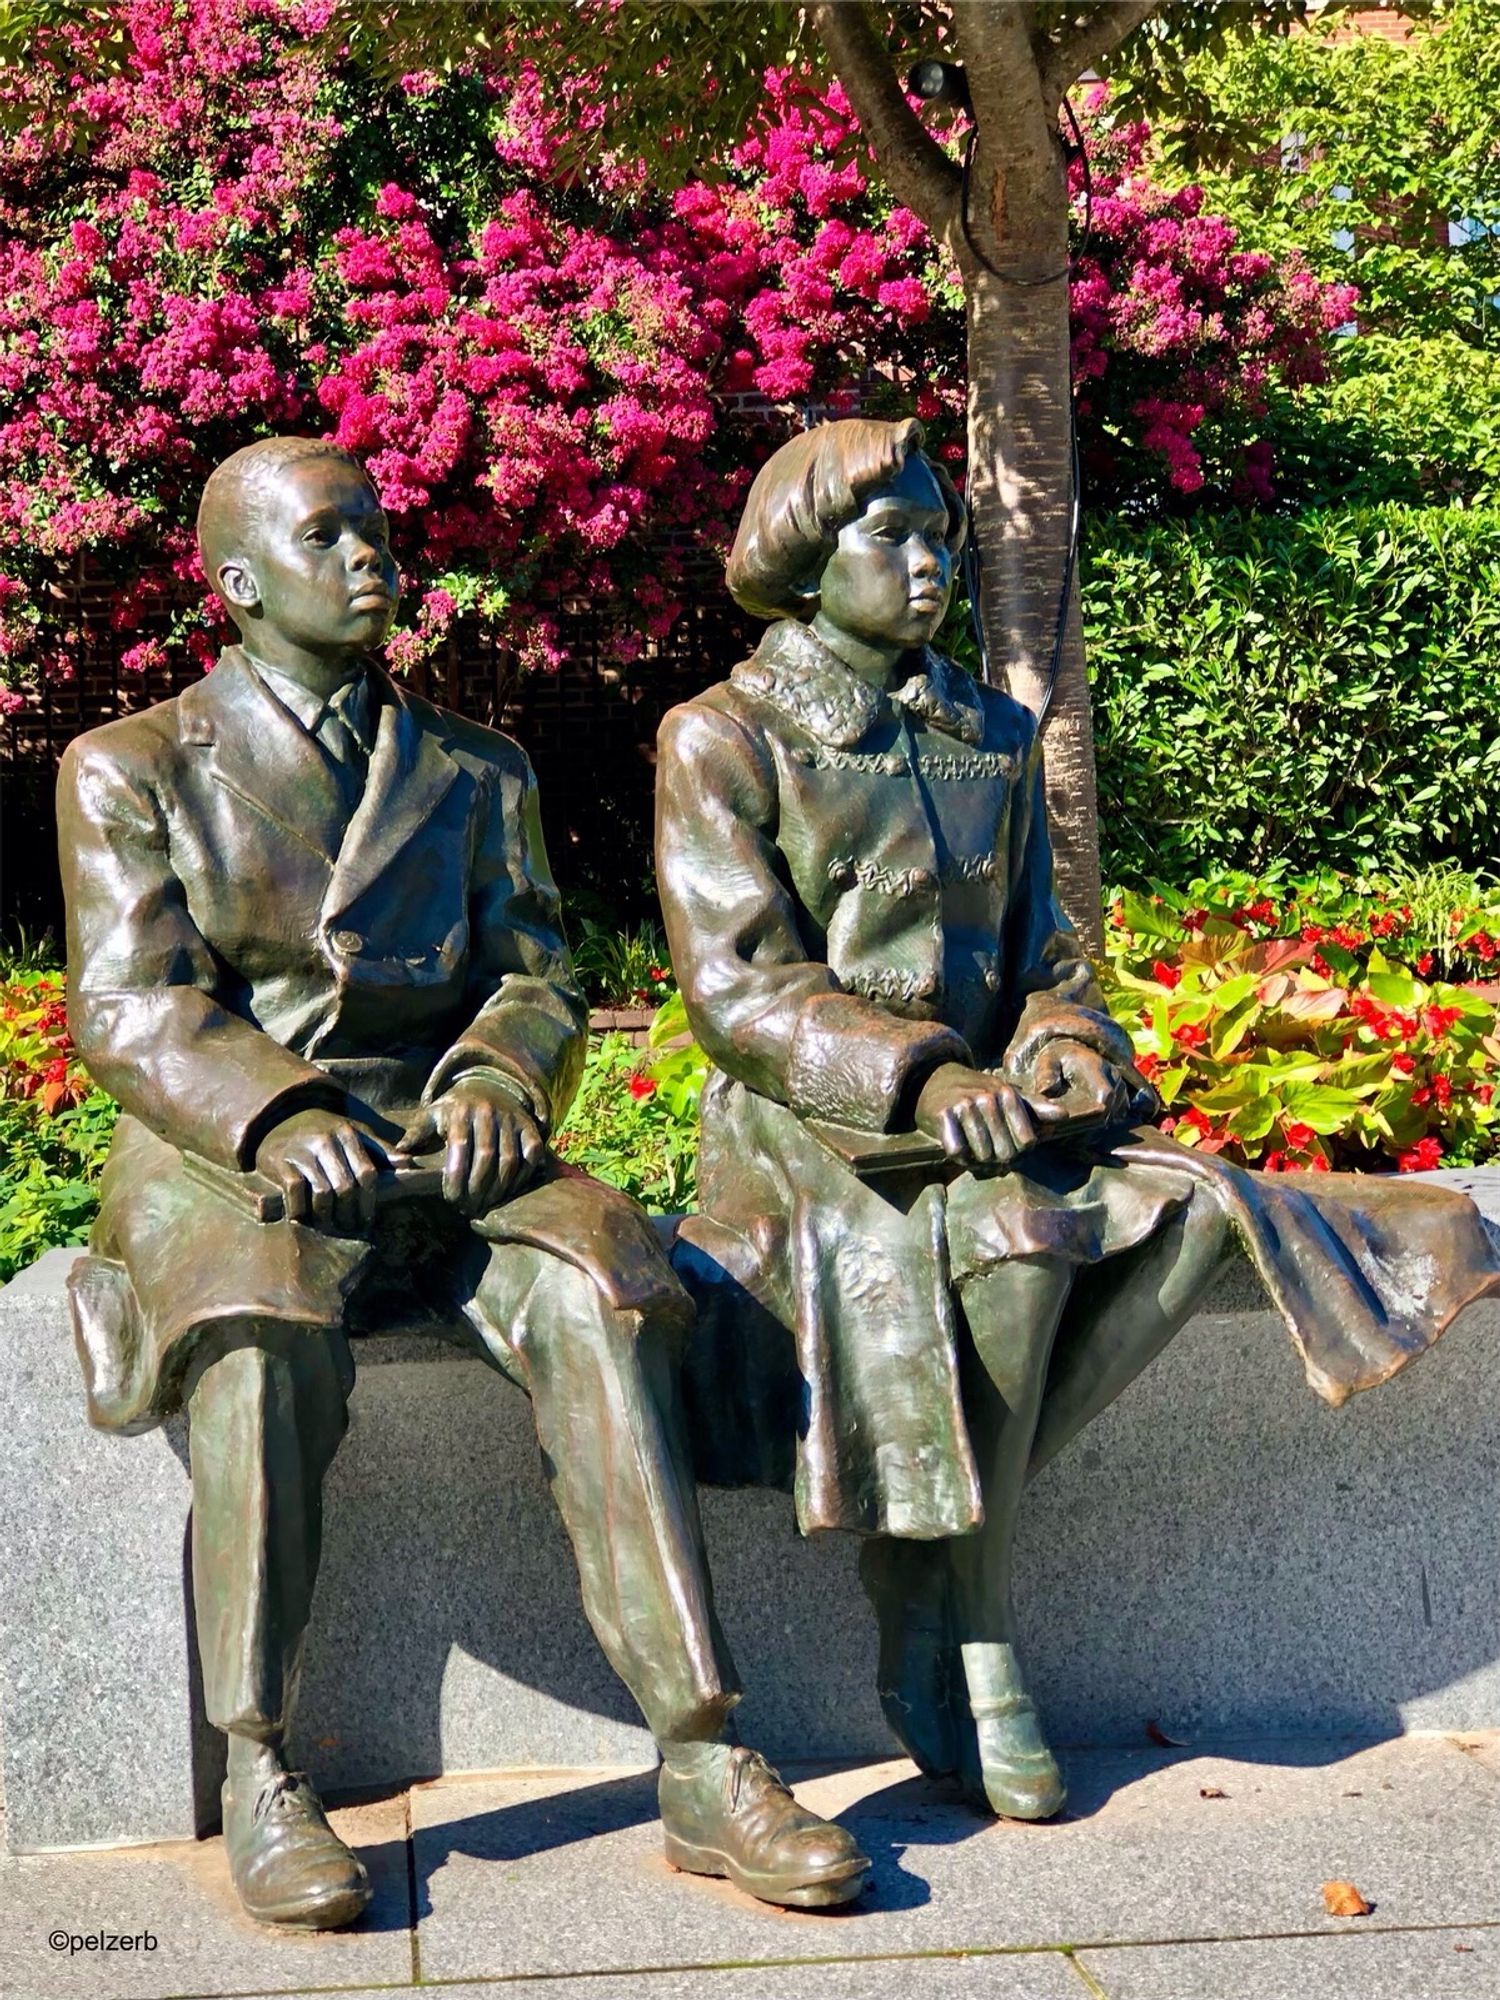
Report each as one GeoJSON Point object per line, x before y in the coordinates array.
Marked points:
{"type": "Point", "coordinates": [1220, 1554]}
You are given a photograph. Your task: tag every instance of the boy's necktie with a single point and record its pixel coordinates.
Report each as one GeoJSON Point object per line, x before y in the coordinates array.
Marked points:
{"type": "Point", "coordinates": [341, 731]}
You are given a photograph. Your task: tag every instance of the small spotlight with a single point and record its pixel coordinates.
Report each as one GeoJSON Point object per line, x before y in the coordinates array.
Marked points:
{"type": "Point", "coordinates": [938, 82]}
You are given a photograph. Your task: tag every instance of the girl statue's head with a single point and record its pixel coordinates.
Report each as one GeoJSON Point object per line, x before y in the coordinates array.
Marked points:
{"type": "Point", "coordinates": [851, 525]}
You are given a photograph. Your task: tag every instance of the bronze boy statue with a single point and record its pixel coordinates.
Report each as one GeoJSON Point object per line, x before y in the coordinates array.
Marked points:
{"type": "Point", "coordinates": [312, 935]}
{"type": "Point", "coordinates": [923, 1205]}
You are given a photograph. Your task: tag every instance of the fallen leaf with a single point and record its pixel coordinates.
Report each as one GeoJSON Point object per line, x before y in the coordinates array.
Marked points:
{"type": "Point", "coordinates": [1463, 1947]}
{"type": "Point", "coordinates": [1212, 1792]}
{"type": "Point", "coordinates": [1342, 1899]}
{"type": "Point", "coordinates": [1159, 1735]}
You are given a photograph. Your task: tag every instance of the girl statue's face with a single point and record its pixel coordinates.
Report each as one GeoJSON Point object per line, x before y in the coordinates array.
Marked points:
{"type": "Point", "coordinates": [889, 578]}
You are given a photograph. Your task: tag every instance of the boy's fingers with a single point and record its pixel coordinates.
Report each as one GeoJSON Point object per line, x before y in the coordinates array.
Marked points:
{"type": "Point", "coordinates": [456, 1161]}
{"type": "Point", "coordinates": [486, 1142]}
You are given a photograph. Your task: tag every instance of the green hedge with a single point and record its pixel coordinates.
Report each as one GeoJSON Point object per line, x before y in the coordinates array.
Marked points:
{"type": "Point", "coordinates": [1323, 688]}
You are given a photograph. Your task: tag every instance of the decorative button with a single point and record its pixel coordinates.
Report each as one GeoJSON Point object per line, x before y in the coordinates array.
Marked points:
{"type": "Point", "coordinates": [348, 942]}
{"type": "Point", "coordinates": [923, 878]}
{"type": "Point", "coordinates": [841, 873]}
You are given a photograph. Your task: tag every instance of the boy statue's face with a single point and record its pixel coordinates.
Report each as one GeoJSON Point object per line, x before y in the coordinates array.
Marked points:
{"type": "Point", "coordinates": [889, 578]}
{"type": "Point", "coordinates": [317, 577]}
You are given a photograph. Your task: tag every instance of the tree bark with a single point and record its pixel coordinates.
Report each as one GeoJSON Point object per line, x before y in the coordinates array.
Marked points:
{"type": "Point", "coordinates": [1020, 500]}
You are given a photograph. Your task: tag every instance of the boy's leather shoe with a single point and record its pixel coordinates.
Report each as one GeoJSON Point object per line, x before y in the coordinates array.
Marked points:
{"type": "Point", "coordinates": [287, 1864]}
{"type": "Point", "coordinates": [737, 1819]}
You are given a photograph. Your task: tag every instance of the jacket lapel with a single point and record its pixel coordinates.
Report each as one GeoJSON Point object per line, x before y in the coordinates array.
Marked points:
{"type": "Point", "coordinates": [262, 754]}
{"type": "Point", "coordinates": [410, 771]}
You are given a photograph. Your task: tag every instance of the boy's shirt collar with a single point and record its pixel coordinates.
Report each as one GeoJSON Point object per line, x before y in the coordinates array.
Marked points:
{"type": "Point", "coordinates": [350, 702]}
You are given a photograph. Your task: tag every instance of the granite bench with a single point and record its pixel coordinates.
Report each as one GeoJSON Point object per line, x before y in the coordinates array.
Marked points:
{"type": "Point", "coordinates": [1221, 1553]}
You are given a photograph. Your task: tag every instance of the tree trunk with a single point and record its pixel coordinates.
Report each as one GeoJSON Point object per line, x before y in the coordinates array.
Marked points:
{"type": "Point", "coordinates": [1020, 493]}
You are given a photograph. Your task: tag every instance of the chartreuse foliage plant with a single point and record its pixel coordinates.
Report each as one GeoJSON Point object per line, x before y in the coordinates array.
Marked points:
{"type": "Point", "coordinates": [1284, 1043]}
{"type": "Point", "coordinates": [1319, 690]}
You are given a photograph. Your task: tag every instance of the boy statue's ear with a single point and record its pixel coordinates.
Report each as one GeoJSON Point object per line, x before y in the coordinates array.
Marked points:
{"type": "Point", "coordinates": [237, 584]}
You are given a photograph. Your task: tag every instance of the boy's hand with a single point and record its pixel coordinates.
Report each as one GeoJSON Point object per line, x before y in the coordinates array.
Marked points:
{"type": "Point", "coordinates": [326, 1167]}
{"type": "Point", "coordinates": [976, 1118]}
{"type": "Point", "coordinates": [494, 1143]}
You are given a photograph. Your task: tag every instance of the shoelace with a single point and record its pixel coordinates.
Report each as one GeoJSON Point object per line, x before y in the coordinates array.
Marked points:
{"type": "Point", "coordinates": [744, 1764]}
{"type": "Point", "coordinates": [282, 1798]}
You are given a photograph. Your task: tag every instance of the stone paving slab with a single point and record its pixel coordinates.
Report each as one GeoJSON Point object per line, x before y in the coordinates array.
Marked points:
{"type": "Point", "coordinates": [1031, 1975]}
{"type": "Point", "coordinates": [181, 1896]}
{"type": "Point", "coordinates": [1142, 1856]}
{"type": "Point", "coordinates": [1401, 1965]}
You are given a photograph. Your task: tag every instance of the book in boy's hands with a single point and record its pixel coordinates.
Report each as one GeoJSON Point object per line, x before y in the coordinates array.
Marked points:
{"type": "Point", "coordinates": [421, 1176]}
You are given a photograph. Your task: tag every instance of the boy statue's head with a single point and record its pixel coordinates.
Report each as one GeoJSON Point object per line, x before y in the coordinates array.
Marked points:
{"type": "Point", "coordinates": [852, 528]}
{"type": "Point", "coordinates": [294, 540]}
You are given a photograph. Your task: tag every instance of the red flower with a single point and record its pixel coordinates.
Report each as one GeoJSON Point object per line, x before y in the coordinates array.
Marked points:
{"type": "Point", "coordinates": [1319, 1163]}
{"type": "Point", "coordinates": [1149, 1067]}
{"type": "Point", "coordinates": [1194, 920]}
{"type": "Point", "coordinates": [1346, 937]}
{"type": "Point", "coordinates": [1313, 933]}
{"type": "Point", "coordinates": [1484, 1092]}
{"type": "Point", "coordinates": [1199, 1120]}
{"type": "Point", "coordinates": [1164, 974]}
{"type": "Point", "coordinates": [1442, 1089]}
{"type": "Point", "coordinates": [659, 973]}
{"type": "Point", "coordinates": [1421, 1158]}
{"type": "Point", "coordinates": [1300, 1137]}
{"type": "Point", "coordinates": [1424, 963]}
{"type": "Point", "coordinates": [1403, 1062]}
{"type": "Point", "coordinates": [641, 1086]}
{"type": "Point", "coordinates": [1191, 1035]}
{"type": "Point", "coordinates": [1438, 1020]}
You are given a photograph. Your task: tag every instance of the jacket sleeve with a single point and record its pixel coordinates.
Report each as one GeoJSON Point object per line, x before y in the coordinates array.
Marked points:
{"type": "Point", "coordinates": [529, 1027]}
{"type": "Point", "coordinates": [766, 1013]}
{"type": "Point", "coordinates": [1051, 982]}
{"type": "Point", "coordinates": [141, 978]}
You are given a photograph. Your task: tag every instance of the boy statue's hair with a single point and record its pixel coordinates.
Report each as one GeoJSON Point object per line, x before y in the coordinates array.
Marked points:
{"type": "Point", "coordinates": [804, 494]}
{"type": "Point", "coordinates": [235, 490]}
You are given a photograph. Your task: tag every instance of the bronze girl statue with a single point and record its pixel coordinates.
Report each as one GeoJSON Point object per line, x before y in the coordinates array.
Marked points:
{"type": "Point", "coordinates": [937, 1235]}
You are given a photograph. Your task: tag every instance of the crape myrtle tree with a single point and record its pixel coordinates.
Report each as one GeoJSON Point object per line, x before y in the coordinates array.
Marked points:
{"type": "Point", "coordinates": [673, 79]}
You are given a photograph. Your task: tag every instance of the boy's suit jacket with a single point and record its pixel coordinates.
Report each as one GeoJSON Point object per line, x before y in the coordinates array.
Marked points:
{"type": "Point", "coordinates": [240, 947]}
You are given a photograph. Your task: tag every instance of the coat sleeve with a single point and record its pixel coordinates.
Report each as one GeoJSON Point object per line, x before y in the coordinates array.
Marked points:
{"type": "Point", "coordinates": [1050, 980]}
{"type": "Point", "coordinates": [142, 978]}
{"type": "Point", "coordinates": [766, 1013]}
{"type": "Point", "coordinates": [529, 1026]}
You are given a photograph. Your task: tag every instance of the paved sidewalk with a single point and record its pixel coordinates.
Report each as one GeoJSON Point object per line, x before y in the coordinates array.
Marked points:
{"type": "Point", "coordinates": [1177, 1875]}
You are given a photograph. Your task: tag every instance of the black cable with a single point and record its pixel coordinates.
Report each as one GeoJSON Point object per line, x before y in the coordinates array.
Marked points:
{"type": "Point", "coordinates": [973, 576]}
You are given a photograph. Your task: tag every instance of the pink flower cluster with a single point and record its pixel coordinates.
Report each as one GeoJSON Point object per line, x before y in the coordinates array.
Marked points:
{"type": "Point", "coordinates": [1177, 333]}
{"type": "Point", "coordinates": [557, 386]}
